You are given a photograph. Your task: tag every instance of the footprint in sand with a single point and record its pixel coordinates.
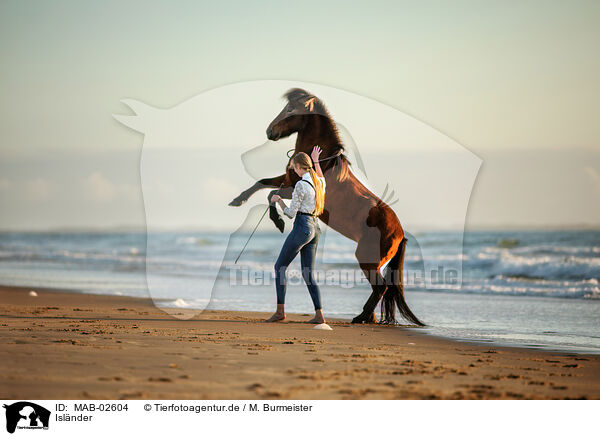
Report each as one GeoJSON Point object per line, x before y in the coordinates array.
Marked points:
{"type": "Point", "coordinates": [133, 395]}
{"type": "Point", "coordinates": [115, 378]}
{"type": "Point", "coordinates": [160, 379]}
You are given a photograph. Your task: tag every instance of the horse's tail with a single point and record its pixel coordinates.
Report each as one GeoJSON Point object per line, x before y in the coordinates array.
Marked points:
{"type": "Point", "coordinates": [394, 295]}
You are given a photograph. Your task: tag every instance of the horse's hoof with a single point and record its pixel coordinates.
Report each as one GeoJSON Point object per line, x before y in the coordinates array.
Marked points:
{"type": "Point", "coordinates": [237, 202]}
{"type": "Point", "coordinates": [362, 319]}
{"type": "Point", "coordinates": [280, 224]}
{"type": "Point", "coordinates": [384, 322]}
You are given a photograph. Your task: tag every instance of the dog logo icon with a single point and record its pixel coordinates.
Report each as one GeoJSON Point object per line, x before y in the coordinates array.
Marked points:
{"type": "Point", "coordinates": [26, 415]}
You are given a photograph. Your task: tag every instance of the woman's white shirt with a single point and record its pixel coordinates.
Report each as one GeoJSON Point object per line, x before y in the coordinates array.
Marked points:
{"type": "Point", "coordinates": [303, 197]}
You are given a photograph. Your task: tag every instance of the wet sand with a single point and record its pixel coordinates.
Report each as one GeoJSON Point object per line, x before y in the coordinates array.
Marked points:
{"type": "Point", "coordinates": [66, 345]}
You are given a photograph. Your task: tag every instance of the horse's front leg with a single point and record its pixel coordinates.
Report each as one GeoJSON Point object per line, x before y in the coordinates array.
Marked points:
{"type": "Point", "coordinates": [274, 182]}
{"type": "Point", "coordinates": [273, 213]}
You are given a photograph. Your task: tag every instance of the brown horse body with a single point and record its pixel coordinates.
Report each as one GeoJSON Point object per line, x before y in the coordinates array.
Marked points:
{"type": "Point", "coordinates": [350, 208]}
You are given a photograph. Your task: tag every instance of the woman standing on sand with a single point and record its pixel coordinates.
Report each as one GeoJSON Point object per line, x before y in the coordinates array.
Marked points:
{"type": "Point", "coordinates": [307, 204]}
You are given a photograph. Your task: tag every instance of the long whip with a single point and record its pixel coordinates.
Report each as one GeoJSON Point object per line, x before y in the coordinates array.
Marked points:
{"type": "Point", "coordinates": [256, 227]}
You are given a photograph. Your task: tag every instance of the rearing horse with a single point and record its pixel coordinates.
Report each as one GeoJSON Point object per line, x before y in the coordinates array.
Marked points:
{"type": "Point", "coordinates": [350, 208]}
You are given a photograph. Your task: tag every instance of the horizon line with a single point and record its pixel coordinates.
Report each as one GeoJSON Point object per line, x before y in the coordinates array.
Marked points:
{"type": "Point", "coordinates": [144, 229]}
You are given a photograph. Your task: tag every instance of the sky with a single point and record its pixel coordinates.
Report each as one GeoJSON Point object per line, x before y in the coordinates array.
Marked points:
{"type": "Point", "coordinates": [516, 83]}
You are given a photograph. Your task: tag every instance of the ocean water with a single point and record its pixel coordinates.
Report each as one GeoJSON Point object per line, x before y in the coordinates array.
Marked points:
{"type": "Point", "coordinates": [535, 288]}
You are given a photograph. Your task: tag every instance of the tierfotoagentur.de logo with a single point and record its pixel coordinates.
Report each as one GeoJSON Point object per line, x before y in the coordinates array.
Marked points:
{"type": "Point", "coordinates": [26, 415]}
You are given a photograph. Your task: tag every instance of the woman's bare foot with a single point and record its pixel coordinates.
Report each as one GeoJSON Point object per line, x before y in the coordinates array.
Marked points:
{"type": "Point", "coordinates": [315, 320]}
{"type": "Point", "coordinates": [319, 318]}
{"type": "Point", "coordinates": [276, 317]}
{"type": "Point", "coordinates": [279, 314]}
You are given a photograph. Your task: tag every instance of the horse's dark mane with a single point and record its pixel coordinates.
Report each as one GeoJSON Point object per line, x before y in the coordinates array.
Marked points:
{"type": "Point", "coordinates": [339, 164]}
{"type": "Point", "coordinates": [296, 93]}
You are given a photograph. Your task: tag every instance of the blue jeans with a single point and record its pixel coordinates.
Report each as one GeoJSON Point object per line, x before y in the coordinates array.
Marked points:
{"type": "Point", "coordinates": [303, 238]}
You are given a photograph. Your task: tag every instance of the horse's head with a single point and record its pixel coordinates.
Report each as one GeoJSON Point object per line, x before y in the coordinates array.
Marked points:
{"type": "Point", "coordinates": [300, 107]}
{"type": "Point", "coordinates": [304, 111]}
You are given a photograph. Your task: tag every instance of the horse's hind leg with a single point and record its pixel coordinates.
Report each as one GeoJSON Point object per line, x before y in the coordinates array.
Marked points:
{"type": "Point", "coordinates": [367, 253]}
{"type": "Point", "coordinates": [377, 283]}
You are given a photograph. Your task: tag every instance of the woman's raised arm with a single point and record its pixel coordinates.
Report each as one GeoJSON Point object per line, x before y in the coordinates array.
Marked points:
{"type": "Point", "coordinates": [316, 152]}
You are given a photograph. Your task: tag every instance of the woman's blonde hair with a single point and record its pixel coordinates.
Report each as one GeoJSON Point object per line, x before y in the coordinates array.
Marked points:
{"type": "Point", "coordinates": [303, 161]}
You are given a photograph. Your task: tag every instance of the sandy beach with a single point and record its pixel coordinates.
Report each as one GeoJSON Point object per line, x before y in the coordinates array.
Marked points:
{"type": "Point", "coordinates": [67, 345]}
